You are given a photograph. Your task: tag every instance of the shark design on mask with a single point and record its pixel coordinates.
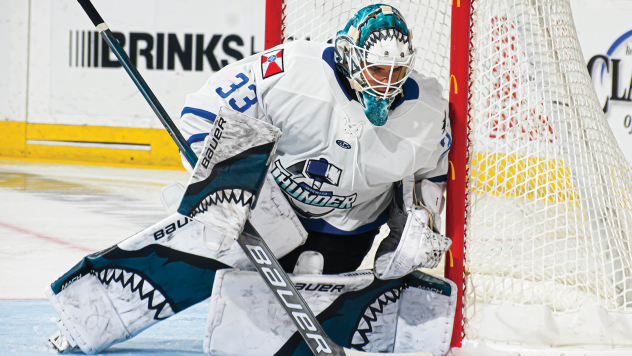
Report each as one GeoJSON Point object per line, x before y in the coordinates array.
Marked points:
{"type": "Point", "coordinates": [376, 36]}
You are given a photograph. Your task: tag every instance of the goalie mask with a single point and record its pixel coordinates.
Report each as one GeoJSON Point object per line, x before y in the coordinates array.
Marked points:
{"type": "Point", "coordinates": [375, 53]}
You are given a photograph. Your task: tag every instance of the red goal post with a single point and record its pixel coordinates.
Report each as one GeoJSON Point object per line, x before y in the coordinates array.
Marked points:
{"type": "Point", "coordinates": [457, 173]}
{"type": "Point", "coordinates": [274, 23]}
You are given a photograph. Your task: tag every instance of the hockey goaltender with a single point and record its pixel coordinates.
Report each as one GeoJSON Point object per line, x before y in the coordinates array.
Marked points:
{"type": "Point", "coordinates": [348, 138]}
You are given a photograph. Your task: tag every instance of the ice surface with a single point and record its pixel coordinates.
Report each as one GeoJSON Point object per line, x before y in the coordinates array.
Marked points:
{"type": "Point", "coordinates": [52, 215]}
{"type": "Point", "coordinates": [25, 327]}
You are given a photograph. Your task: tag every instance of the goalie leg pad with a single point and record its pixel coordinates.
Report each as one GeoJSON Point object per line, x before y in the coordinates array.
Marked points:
{"type": "Point", "coordinates": [356, 310]}
{"type": "Point", "coordinates": [426, 317]}
{"type": "Point", "coordinates": [114, 294]}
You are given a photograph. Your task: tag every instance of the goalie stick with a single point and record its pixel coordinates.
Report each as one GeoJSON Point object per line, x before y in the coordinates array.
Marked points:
{"type": "Point", "coordinates": [250, 241]}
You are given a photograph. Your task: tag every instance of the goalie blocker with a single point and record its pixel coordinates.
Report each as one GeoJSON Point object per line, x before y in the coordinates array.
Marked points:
{"type": "Point", "coordinates": [413, 241]}
{"type": "Point", "coordinates": [229, 174]}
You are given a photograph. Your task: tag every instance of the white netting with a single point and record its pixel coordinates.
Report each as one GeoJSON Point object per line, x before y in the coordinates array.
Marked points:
{"type": "Point", "coordinates": [549, 191]}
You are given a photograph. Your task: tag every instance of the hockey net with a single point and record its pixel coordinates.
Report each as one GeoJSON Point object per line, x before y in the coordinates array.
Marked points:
{"type": "Point", "coordinates": [549, 193]}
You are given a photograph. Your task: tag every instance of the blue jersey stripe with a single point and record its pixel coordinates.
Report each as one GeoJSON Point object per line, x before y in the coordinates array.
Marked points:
{"type": "Point", "coordinates": [197, 138]}
{"type": "Point", "coordinates": [199, 112]}
{"type": "Point", "coordinates": [410, 89]}
{"type": "Point", "coordinates": [439, 179]}
{"type": "Point", "coordinates": [320, 225]}
{"type": "Point", "coordinates": [328, 57]}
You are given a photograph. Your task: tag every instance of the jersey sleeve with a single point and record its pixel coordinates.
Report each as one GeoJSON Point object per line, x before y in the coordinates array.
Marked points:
{"type": "Point", "coordinates": [234, 86]}
{"type": "Point", "coordinates": [439, 172]}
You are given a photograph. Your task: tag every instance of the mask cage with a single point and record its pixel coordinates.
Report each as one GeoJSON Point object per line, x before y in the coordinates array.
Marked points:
{"type": "Point", "coordinates": [358, 59]}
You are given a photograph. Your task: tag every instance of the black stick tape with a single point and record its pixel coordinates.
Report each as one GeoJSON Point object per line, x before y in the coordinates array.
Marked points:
{"type": "Point", "coordinates": [91, 12]}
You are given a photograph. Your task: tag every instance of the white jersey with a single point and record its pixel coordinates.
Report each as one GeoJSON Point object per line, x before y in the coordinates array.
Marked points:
{"type": "Point", "coordinates": [335, 167]}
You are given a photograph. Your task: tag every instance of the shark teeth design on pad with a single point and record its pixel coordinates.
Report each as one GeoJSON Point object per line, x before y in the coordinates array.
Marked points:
{"type": "Point", "coordinates": [140, 285]}
{"type": "Point", "coordinates": [236, 196]}
{"type": "Point", "coordinates": [371, 318]}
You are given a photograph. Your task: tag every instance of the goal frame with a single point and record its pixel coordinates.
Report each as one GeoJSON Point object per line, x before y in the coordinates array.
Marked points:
{"type": "Point", "coordinates": [457, 173]}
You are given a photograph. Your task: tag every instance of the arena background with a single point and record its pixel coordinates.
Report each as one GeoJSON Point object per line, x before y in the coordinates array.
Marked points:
{"type": "Point", "coordinates": [64, 97]}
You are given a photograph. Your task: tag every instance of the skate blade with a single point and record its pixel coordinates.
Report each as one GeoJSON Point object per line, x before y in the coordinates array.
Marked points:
{"type": "Point", "coordinates": [59, 342]}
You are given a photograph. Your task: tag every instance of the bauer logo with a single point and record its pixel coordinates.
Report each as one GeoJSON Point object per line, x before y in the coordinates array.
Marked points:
{"type": "Point", "coordinates": [320, 287]}
{"type": "Point", "coordinates": [170, 228]}
{"type": "Point", "coordinates": [213, 142]}
{"type": "Point", "coordinates": [159, 51]}
{"type": "Point", "coordinates": [280, 284]}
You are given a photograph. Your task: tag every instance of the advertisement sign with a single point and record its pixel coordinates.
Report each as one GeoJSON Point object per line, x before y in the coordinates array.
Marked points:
{"type": "Point", "coordinates": [13, 59]}
{"type": "Point", "coordinates": [605, 35]}
{"type": "Point", "coordinates": [176, 46]}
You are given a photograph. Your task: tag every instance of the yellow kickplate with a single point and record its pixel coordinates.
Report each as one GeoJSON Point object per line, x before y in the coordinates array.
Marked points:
{"type": "Point", "coordinates": [102, 145]}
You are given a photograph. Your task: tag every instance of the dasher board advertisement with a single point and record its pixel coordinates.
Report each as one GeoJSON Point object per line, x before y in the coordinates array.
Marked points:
{"type": "Point", "coordinates": [605, 35]}
{"type": "Point", "coordinates": [176, 46]}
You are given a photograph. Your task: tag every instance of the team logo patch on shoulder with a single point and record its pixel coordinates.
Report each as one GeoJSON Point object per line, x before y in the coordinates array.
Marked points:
{"type": "Point", "coordinates": [272, 63]}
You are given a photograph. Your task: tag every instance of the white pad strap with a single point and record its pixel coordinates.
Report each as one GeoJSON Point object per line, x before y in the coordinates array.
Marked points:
{"type": "Point", "coordinates": [430, 194]}
{"type": "Point", "coordinates": [309, 262]}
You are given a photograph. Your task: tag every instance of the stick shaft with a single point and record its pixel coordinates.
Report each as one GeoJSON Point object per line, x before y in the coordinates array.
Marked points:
{"type": "Point", "coordinates": [92, 13]}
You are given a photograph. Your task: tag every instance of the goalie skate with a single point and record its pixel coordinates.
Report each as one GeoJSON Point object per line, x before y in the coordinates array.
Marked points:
{"type": "Point", "coordinates": [59, 342]}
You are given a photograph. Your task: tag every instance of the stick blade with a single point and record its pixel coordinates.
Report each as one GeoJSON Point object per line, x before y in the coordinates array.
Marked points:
{"type": "Point", "coordinates": [352, 352]}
